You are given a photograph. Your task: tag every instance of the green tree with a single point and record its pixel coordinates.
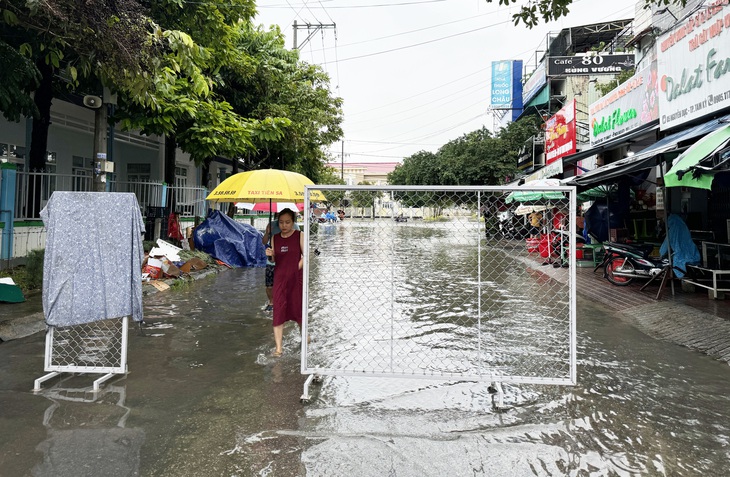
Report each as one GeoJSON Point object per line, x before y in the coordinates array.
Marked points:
{"type": "Point", "coordinates": [364, 198]}
{"type": "Point", "coordinates": [609, 86]}
{"type": "Point", "coordinates": [278, 84]}
{"type": "Point", "coordinates": [179, 98]}
{"type": "Point", "coordinates": [330, 176]}
{"type": "Point", "coordinates": [550, 10]}
{"type": "Point", "coordinates": [476, 158]}
{"type": "Point", "coordinates": [59, 45]}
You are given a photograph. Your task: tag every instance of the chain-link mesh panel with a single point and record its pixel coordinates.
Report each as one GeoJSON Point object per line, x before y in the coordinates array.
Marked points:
{"type": "Point", "coordinates": [98, 347]}
{"type": "Point", "coordinates": [446, 283]}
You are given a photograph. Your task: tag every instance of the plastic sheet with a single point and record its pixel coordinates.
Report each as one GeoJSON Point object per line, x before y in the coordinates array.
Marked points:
{"type": "Point", "coordinates": [238, 245]}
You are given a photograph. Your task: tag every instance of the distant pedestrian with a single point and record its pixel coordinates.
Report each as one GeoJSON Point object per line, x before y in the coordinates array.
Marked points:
{"type": "Point", "coordinates": [271, 229]}
{"type": "Point", "coordinates": [535, 224]}
{"type": "Point", "coordinates": [286, 252]}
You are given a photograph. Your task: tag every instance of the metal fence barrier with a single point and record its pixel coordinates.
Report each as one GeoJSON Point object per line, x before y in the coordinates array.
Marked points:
{"type": "Point", "coordinates": [97, 347]}
{"type": "Point", "coordinates": [451, 283]}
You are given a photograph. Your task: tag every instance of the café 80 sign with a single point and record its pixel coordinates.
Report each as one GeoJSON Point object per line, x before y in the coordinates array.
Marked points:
{"type": "Point", "coordinates": [589, 65]}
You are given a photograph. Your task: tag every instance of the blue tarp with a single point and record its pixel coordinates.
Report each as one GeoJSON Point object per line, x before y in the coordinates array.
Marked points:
{"type": "Point", "coordinates": [238, 245]}
{"type": "Point", "coordinates": [684, 250]}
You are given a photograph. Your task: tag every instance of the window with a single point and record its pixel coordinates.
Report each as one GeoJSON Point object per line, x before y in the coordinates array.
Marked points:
{"type": "Point", "coordinates": [13, 154]}
{"type": "Point", "coordinates": [82, 172]}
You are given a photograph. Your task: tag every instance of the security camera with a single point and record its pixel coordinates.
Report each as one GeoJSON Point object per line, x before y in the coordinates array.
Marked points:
{"type": "Point", "coordinates": [92, 102]}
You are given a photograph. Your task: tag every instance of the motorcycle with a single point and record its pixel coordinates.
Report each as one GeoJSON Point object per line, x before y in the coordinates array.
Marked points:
{"type": "Point", "coordinates": [623, 263]}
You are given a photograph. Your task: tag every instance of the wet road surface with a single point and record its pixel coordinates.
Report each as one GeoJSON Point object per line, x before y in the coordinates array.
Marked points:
{"type": "Point", "coordinates": [203, 397]}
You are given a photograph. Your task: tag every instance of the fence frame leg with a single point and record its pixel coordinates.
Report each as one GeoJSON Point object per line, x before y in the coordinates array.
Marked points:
{"type": "Point", "coordinates": [39, 381]}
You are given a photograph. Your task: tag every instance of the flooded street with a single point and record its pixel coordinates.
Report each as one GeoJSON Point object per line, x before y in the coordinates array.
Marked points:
{"type": "Point", "coordinates": [203, 397]}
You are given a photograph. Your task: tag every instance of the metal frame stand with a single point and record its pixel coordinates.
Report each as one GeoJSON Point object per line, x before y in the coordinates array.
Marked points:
{"type": "Point", "coordinates": [55, 368]}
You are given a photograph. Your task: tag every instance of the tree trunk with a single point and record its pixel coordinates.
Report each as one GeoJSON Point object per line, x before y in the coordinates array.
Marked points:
{"type": "Point", "coordinates": [37, 153]}
{"type": "Point", "coordinates": [170, 149]}
{"type": "Point", "coordinates": [232, 206]}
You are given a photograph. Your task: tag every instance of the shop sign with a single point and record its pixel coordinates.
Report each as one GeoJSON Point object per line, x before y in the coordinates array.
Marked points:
{"type": "Point", "coordinates": [589, 65]}
{"type": "Point", "coordinates": [534, 84]}
{"type": "Point", "coordinates": [560, 134]}
{"type": "Point", "coordinates": [506, 88]}
{"type": "Point", "coordinates": [631, 104]}
{"type": "Point", "coordinates": [546, 172]}
{"type": "Point", "coordinates": [694, 66]}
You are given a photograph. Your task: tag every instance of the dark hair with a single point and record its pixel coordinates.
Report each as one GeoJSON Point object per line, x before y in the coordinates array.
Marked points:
{"type": "Point", "coordinates": [289, 212]}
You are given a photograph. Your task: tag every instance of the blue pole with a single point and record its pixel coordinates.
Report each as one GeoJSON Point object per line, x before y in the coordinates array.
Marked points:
{"type": "Point", "coordinates": [8, 176]}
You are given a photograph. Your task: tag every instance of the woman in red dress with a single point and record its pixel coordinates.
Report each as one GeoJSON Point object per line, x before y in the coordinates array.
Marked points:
{"type": "Point", "coordinates": [286, 251]}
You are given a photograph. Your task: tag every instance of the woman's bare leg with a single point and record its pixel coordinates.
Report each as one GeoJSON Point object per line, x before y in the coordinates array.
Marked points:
{"type": "Point", "coordinates": [278, 338]}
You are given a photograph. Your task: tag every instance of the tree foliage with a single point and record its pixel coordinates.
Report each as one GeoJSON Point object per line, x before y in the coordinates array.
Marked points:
{"type": "Point", "coordinates": [550, 10]}
{"type": "Point", "coordinates": [363, 198]}
{"type": "Point", "coordinates": [476, 158]}
{"type": "Point", "coordinates": [330, 176]}
{"type": "Point", "coordinates": [278, 84]}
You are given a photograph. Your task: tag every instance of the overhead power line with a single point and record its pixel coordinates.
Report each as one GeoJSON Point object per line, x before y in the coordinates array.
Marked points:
{"type": "Point", "coordinates": [426, 42]}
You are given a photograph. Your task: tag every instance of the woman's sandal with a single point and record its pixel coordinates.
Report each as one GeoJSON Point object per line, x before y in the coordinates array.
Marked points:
{"type": "Point", "coordinates": [276, 354]}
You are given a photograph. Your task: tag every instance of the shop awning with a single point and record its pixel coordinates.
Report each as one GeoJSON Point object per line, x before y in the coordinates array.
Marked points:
{"type": "Point", "coordinates": [691, 169]}
{"type": "Point", "coordinates": [646, 158]}
{"type": "Point", "coordinates": [613, 144]}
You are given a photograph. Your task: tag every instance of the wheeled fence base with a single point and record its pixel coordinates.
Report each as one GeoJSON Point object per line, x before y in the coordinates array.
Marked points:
{"type": "Point", "coordinates": [312, 378]}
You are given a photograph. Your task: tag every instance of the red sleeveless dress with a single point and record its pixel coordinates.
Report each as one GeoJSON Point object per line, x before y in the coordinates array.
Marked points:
{"type": "Point", "coordinates": [288, 279]}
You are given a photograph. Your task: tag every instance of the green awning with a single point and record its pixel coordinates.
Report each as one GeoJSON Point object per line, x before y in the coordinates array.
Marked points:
{"type": "Point", "coordinates": [688, 169]}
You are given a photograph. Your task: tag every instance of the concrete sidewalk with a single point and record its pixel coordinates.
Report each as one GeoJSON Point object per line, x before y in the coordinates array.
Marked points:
{"type": "Point", "coordinates": [690, 319]}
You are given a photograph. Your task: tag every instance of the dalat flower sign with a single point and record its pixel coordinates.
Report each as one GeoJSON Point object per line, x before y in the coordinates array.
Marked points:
{"type": "Point", "coordinates": [694, 66]}
{"type": "Point", "coordinates": [560, 134]}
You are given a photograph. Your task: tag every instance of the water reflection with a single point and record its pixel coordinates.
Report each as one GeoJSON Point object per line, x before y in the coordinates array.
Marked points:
{"type": "Point", "coordinates": [87, 431]}
{"type": "Point", "coordinates": [433, 299]}
{"type": "Point", "coordinates": [641, 407]}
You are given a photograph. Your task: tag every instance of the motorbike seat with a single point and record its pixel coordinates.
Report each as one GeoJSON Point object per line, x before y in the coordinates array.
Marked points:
{"type": "Point", "coordinates": [638, 249]}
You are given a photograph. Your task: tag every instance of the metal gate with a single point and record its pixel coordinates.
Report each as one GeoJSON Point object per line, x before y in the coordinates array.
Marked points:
{"type": "Point", "coordinates": [456, 283]}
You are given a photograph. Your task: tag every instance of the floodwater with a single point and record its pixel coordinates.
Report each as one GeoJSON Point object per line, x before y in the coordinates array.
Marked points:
{"type": "Point", "coordinates": [204, 397]}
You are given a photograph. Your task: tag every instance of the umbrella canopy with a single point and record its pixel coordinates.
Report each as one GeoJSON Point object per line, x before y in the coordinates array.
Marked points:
{"type": "Point", "coordinates": [536, 195]}
{"type": "Point", "coordinates": [264, 185]}
{"type": "Point", "coordinates": [690, 171]}
{"type": "Point", "coordinates": [524, 209]}
{"type": "Point", "coordinates": [269, 207]}
{"type": "Point", "coordinates": [600, 191]}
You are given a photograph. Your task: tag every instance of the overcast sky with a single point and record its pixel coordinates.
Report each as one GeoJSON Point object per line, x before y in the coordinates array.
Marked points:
{"type": "Point", "coordinates": [415, 74]}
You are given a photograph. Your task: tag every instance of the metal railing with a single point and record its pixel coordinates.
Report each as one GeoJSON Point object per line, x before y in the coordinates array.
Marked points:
{"type": "Point", "coordinates": [148, 193]}
{"type": "Point", "coordinates": [33, 189]}
{"type": "Point", "coordinates": [187, 201]}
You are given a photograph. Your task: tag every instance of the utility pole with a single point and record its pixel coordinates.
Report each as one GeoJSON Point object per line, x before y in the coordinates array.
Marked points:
{"type": "Point", "coordinates": [311, 28]}
{"type": "Point", "coordinates": [100, 135]}
{"type": "Point", "coordinates": [342, 161]}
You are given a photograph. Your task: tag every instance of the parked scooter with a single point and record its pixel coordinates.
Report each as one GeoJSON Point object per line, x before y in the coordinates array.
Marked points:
{"type": "Point", "coordinates": [623, 263]}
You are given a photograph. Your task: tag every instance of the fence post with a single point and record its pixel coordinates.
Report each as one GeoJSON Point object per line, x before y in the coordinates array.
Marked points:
{"type": "Point", "coordinates": [7, 208]}
{"type": "Point", "coordinates": [164, 195]}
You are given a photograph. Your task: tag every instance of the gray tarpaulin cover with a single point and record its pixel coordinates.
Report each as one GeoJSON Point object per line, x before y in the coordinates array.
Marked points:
{"type": "Point", "coordinates": [93, 261]}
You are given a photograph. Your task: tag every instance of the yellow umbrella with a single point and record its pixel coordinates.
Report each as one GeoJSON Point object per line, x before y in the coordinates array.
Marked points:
{"type": "Point", "coordinates": [265, 185]}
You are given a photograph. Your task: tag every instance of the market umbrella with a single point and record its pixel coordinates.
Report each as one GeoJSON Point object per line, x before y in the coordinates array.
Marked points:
{"type": "Point", "coordinates": [599, 192]}
{"type": "Point", "coordinates": [537, 199]}
{"type": "Point", "coordinates": [272, 207]}
{"type": "Point", "coordinates": [525, 209]}
{"type": "Point", "coordinates": [265, 185]}
{"type": "Point", "coordinates": [536, 195]}
{"type": "Point", "coordinates": [697, 166]}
